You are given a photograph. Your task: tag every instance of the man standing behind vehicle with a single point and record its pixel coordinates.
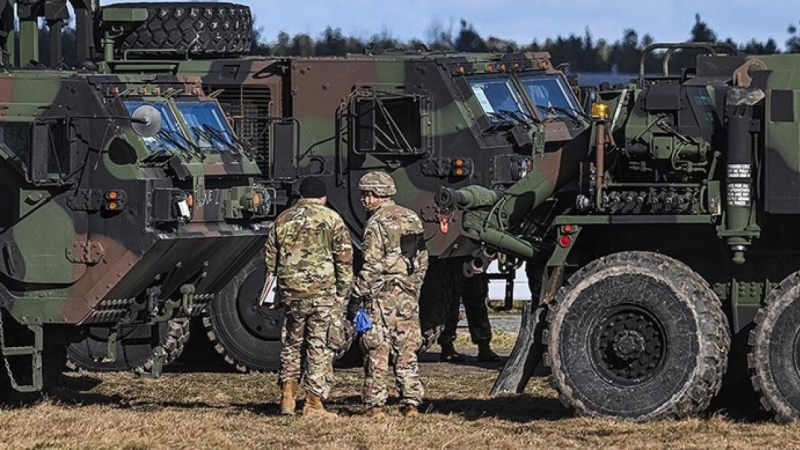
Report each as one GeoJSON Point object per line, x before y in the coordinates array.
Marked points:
{"type": "Point", "coordinates": [388, 286]}
{"type": "Point", "coordinates": [309, 252]}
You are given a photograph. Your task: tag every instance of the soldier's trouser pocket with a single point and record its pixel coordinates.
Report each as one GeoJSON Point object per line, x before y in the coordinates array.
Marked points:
{"type": "Point", "coordinates": [340, 334]}
{"type": "Point", "coordinates": [373, 338]}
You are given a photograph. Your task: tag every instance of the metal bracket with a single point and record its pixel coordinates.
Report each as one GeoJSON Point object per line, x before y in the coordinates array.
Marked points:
{"type": "Point", "coordinates": [86, 252]}
{"type": "Point", "coordinates": [85, 200]}
{"type": "Point", "coordinates": [113, 337]}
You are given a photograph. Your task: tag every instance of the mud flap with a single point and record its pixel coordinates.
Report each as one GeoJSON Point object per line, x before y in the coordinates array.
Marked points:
{"type": "Point", "coordinates": [526, 355]}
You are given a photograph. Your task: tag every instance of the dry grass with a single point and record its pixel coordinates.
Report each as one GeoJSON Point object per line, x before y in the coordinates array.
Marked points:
{"type": "Point", "coordinates": [500, 340]}
{"type": "Point", "coordinates": [227, 410]}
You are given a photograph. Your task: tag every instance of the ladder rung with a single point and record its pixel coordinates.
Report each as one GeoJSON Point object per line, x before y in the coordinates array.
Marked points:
{"type": "Point", "coordinates": [16, 351]}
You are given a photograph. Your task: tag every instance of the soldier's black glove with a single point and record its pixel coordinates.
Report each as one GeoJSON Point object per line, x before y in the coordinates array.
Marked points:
{"type": "Point", "coordinates": [356, 302]}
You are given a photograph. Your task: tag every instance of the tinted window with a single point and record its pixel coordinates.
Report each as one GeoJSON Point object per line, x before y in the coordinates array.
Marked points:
{"type": "Point", "coordinates": [499, 99]}
{"type": "Point", "coordinates": [207, 125]}
{"type": "Point", "coordinates": [550, 95]}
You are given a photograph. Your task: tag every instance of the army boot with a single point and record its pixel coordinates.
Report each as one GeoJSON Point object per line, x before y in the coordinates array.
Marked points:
{"type": "Point", "coordinates": [449, 354]}
{"type": "Point", "coordinates": [375, 412]}
{"type": "Point", "coordinates": [314, 407]}
{"type": "Point", "coordinates": [288, 398]}
{"type": "Point", "coordinates": [409, 411]}
{"type": "Point", "coordinates": [486, 354]}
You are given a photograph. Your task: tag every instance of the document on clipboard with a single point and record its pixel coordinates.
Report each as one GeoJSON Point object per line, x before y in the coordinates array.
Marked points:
{"type": "Point", "coordinates": [266, 299]}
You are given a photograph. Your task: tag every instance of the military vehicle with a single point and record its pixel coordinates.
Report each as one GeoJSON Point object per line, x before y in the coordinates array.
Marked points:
{"type": "Point", "coordinates": [429, 119]}
{"type": "Point", "coordinates": [127, 201]}
{"type": "Point", "coordinates": [669, 257]}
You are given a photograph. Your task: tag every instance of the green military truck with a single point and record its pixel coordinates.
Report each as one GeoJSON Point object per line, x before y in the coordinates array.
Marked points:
{"type": "Point", "coordinates": [127, 202]}
{"type": "Point", "coordinates": [671, 256]}
{"type": "Point", "coordinates": [431, 120]}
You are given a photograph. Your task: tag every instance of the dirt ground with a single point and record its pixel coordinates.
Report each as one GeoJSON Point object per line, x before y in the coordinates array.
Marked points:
{"type": "Point", "coordinates": [207, 409]}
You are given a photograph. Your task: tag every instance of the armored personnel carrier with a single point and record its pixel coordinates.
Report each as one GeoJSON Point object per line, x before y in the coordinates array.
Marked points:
{"type": "Point", "coordinates": [431, 120]}
{"type": "Point", "coordinates": [127, 202]}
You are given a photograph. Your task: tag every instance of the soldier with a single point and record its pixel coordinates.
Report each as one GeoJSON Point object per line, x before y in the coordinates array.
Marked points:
{"type": "Point", "coordinates": [474, 291]}
{"type": "Point", "coordinates": [388, 286]}
{"type": "Point", "coordinates": [309, 252]}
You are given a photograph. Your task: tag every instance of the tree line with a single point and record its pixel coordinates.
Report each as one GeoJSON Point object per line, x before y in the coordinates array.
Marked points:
{"type": "Point", "coordinates": [584, 53]}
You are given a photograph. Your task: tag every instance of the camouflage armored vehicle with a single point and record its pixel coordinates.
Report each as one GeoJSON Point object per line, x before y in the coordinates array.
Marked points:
{"type": "Point", "coordinates": [672, 256]}
{"type": "Point", "coordinates": [126, 201]}
{"type": "Point", "coordinates": [429, 119]}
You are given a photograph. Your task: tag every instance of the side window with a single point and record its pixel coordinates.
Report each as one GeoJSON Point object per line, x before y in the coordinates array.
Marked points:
{"type": "Point", "coordinates": [388, 124]}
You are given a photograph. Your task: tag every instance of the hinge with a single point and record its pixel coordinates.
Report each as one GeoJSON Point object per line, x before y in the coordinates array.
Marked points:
{"type": "Point", "coordinates": [86, 252]}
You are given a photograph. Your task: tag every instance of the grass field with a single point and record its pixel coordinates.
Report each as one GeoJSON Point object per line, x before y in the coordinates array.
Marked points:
{"type": "Point", "coordinates": [228, 410]}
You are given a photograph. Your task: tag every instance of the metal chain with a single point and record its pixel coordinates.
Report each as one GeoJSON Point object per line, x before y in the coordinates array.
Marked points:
{"type": "Point", "coordinates": [5, 358]}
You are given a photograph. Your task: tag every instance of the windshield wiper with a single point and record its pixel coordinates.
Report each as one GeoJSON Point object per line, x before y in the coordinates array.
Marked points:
{"type": "Point", "coordinates": [569, 112]}
{"type": "Point", "coordinates": [226, 138]}
{"type": "Point", "coordinates": [186, 146]}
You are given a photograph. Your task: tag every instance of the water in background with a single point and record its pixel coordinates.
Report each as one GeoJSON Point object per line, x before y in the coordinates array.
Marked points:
{"type": "Point", "coordinates": [594, 79]}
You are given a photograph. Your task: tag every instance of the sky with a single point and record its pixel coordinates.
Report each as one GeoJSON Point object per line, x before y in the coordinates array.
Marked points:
{"type": "Point", "coordinates": [523, 21]}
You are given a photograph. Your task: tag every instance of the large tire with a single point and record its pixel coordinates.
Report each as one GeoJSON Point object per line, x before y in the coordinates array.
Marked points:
{"type": "Point", "coordinates": [245, 334]}
{"type": "Point", "coordinates": [774, 359]}
{"type": "Point", "coordinates": [637, 336]}
{"type": "Point", "coordinates": [203, 29]}
{"type": "Point", "coordinates": [134, 349]}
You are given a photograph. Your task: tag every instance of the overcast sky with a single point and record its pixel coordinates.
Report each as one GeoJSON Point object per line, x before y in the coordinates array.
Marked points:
{"type": "Point", "coordinates": [524, 21]}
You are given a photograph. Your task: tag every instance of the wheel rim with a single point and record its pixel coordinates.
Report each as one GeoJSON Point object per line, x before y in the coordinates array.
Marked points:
{"type": "Point", "coordinates": [258, 320]}
{"type": "Point", "coordinates": [628, 345]}
{"type": "Point", "coordinates": [797, 353]}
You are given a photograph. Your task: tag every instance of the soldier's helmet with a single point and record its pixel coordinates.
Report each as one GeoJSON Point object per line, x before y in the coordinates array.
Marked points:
{"type": "Point", "coordinates": [377, 182]}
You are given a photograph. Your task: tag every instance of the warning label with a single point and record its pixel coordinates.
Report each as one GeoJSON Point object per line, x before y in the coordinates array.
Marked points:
{"type": "Point", "coordinates": [738, 170]}
{"type": "Point", "coordinates": [739, 194]}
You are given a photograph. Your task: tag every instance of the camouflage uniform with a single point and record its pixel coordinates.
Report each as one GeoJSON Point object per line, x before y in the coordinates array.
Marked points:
{"type": "Point", "coordinates": [393, 281]}
{"type": "Point", "coordinates": [309, 251]}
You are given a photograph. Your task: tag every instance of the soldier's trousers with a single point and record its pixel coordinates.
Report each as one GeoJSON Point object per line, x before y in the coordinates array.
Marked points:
{"type": "Point", "coordinates": [392, 333]}
{"type": "Point", "coordinates": [473, 293]}
{"type": "Point", "coordinates": [306, 334]}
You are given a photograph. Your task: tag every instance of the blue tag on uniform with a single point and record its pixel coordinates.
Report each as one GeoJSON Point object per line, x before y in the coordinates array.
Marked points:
{"type": "Point", "coordinates": [362, 321]}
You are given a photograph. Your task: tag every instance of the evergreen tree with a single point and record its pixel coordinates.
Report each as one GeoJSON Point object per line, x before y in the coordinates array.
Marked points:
{"type": "Point", "coordinates": [468, 40]}
{"type": "Point", "coordinates": [793, 44]}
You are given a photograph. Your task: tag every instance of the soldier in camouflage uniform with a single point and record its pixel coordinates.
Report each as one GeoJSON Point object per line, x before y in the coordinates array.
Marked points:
{"type": "Point", "coordinates": [309, 252]}
{"type": "Point", "coordinates": [388, 286]}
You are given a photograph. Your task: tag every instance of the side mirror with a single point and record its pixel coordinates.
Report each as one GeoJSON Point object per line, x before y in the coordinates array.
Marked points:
{"type": "Point", "coordinates": [146, 121]}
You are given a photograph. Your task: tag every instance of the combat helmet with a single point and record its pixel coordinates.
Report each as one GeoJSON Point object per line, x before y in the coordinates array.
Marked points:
{"type": "Point", "coordinates": [377, 182]}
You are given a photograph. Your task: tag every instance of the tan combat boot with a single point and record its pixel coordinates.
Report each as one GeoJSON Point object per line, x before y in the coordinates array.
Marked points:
{"type": "Point", "coordinates": [375, 412]}
{"type": "Point", "coordinates": [314, 406]}
{"type": "Point", "coordinates": [288, 403]}
{"type": "Point", "coordinates": [409, 411]}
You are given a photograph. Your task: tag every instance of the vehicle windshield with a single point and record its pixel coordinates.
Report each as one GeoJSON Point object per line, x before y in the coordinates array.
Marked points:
{"type": "Point", "coordinates": [500, 100]}
{"type": "Point", "coordinates": [207, 125]}
{"type": "Point", "coordinates": [551, 96]}
{"type": "Point", "coordinates": [169, 128]}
